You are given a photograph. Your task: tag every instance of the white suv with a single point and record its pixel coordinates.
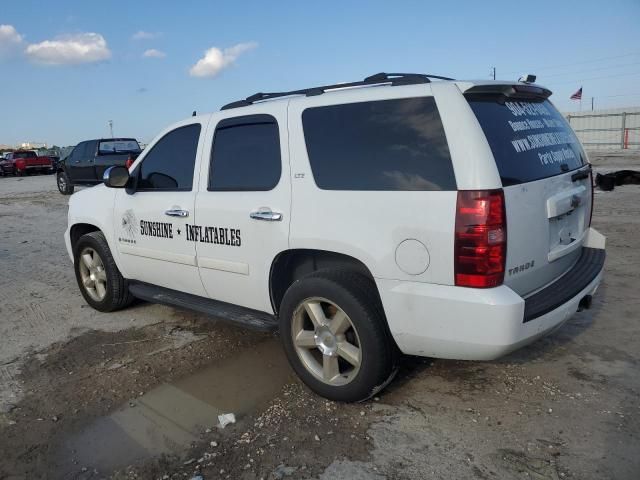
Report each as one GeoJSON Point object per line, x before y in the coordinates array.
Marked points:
{"type": "Point", "coordinates": [445, 219]}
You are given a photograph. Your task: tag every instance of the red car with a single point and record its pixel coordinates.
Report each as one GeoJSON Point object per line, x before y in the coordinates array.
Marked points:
{"type": "Point", "coordinates": [27, 161]}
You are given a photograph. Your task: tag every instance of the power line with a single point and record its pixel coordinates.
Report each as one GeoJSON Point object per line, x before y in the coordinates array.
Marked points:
{"type": "Point", "coordinates": [620, 95]}
{"type": "Point", "coordinates": [575, 63]}
{"type": "Point", "coordinates": [591, 70]}
{"type": "Point", "coordinates": [579, 80]}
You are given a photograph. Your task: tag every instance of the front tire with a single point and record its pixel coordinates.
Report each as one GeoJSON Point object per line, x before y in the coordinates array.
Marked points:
{"type": "Point", "coordinates": [65, 187]}
{"type": "Point", "coordinates": [101, 283]}
{"type": "Point", "coordinates": [334, 333]}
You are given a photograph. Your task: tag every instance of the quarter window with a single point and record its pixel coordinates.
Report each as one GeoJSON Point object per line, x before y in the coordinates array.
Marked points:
{"type": "Point", "coordinates": [170, 163]}
{"type": "Point", "coordinates": [245, 155]}
{"type": "Point", "coordinates": [396, 144]}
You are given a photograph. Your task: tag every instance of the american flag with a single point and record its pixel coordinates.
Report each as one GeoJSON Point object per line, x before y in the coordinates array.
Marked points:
{"type": "Point", "coordinates": [577, 95]}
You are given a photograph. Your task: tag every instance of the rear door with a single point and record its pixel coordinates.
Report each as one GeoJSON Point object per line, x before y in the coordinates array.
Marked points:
{"type": "Point", "coordinates": [243, 204]}
{"type": "Point", "coordinates": [547, 188]}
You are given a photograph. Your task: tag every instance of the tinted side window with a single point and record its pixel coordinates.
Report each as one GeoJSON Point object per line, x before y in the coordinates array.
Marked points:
{"type": "Point", "coordinates": [86, 152]}
{"type": "Point", "coordinates": [91, 149]}
{"type": "Point", "coordinates": [381, 145]}
{"type": "Point", "coordinates": [170, 163]}
{"type": "Point", "coordinates": [78, 152]}
{"type": "Point", "coordinates": [245, 154]}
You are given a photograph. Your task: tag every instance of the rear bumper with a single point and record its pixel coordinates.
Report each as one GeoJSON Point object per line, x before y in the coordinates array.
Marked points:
{"type": "Point", "coordinates": [38, 167]}
{"type": "Point", "coordinates": [479, 324]}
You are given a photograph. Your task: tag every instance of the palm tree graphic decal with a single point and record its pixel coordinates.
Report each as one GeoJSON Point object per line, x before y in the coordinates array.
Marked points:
{"type": "Point", "coordinates": [129, 227]}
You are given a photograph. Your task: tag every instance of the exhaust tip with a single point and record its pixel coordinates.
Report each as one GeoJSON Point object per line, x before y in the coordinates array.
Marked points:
{"type": "Point", "coordinates": [585, 303]}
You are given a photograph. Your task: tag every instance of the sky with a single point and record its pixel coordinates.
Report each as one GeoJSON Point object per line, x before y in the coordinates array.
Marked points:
{"type": "Point", "coordinates": [68, 67]}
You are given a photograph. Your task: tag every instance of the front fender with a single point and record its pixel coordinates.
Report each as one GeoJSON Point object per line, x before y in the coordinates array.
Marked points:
{"type": "Point", "coordinates": [94, 206]}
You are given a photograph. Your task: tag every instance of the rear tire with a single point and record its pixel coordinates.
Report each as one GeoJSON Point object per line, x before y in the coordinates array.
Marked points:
{"type": "Point", "coordinates": [101, 283]}
{"type": "Point", "coordinates": [334, 332]}
{"type": "Point", "coordinates": [65, 187]}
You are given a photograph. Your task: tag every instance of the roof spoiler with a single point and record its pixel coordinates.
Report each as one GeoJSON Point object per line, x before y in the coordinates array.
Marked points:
{"type": "Point", "coordinates": [515, 92]}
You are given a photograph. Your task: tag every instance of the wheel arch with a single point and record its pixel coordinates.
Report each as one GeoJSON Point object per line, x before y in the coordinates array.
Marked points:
{"type": "Point", "coordinates": [291, 265]}
{"type": "Point", "coordinates": [79, 229]}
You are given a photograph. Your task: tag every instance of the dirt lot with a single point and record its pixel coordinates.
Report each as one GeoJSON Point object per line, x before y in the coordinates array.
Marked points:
{"type": "Point", "coordinates": [136, 394]}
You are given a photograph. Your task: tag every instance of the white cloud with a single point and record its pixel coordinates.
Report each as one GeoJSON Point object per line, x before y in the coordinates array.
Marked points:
{"type": "Point", "coordinates": [215, 60]}
{"type": "Point", "coordinates": [10, 39]}
{"type": "Point", "coordinates": [153, 53]}
{"type": "Point", "coordinates": [142, 35]}
{"type": "Point", "coordinates": [70, 50]}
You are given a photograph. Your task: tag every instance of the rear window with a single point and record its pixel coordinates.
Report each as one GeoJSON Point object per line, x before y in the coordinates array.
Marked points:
{"type": "Point", "coordinates": [24, 155]}
{"type": "Point", "coordinates": [529, 140]}
{"type": "Point", "coordinates": [380, 145]}
{"type": "Point", "coordinates": [118, 146]}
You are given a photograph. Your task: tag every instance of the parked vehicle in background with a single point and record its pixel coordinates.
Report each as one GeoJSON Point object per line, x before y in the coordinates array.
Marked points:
{"type": "Point", "coordinates": [28, 161]}
{"type": "Point", "coordinates": [87, 162]}
{"type": "Point", "coordinates": [55, 160]}
{"type": "Point", "coordinates": [6, 167]}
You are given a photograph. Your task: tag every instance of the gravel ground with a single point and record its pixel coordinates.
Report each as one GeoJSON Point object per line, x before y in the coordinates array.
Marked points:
{"type": "Point", "coordinates": [564, 407]}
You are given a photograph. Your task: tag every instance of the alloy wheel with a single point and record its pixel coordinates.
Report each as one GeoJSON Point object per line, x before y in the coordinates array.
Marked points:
{"type": "Point", "coordinates": [326, 341]}
{"type": "Point", "coordinates": [93, 274]}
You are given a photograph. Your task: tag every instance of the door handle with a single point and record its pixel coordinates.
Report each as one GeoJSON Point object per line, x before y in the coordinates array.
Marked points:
{"type": "Point", "coordinates": [176, 212]}
{"type": "Point", "coordinates": [266, 214]}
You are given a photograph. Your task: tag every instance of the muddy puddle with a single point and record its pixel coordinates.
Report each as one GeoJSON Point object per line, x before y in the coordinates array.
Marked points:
{"type": "Point", "coordinates": [167, 419]}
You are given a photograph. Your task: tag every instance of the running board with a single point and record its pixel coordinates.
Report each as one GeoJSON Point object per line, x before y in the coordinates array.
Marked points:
{"type": "Point", "coordinates": [241, 316]}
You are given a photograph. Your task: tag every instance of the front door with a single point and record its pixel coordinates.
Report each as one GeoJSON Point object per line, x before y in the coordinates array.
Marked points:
{"type": "Point", "coordinates": [243, 206]}
{"type": "Point", "coordinates": [77, 162]}
{"type": "Point", "coordinates": [150, 221]}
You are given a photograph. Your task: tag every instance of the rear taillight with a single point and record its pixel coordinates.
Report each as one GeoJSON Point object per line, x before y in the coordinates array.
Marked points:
{"type": "Point", "coordinates": [481, 238]}
{"type": "Point", "coordinates": [591, 206]}
{"type": "Point", "coordinates": [129, 162]}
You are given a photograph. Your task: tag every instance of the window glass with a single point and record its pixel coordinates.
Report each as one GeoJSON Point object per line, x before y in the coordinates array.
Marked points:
{"type": "Point", "coordinates": [28, 154]}
{"type": "Point", "coordinates": [122, 145]}
{"type": "Point", "coordinates": [170, 163]}
{"type": "Point", "coordinates": [381, 145]}
{"type": "Point", "coordinates": [529, 140]}
{"type": "Point", "coordinates": [245, 154]}
{"type": "Point", "coordinates": [79, 151]}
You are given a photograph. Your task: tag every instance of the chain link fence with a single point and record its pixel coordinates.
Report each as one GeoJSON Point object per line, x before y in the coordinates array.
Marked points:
{"type": "Point", "coordinates": [607, 129]}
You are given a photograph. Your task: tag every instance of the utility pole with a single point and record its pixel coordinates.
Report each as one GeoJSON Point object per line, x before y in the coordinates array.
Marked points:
{"type": "Point", "coordinates": [592, 104]}
{"type": "Point", "coordinates": [111, 127]}
{"type": "Point", "coordinates": [493, 69]}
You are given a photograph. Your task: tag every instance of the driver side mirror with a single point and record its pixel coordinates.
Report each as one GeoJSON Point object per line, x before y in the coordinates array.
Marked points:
{"type": "Point", "coordinates": [116, 177]}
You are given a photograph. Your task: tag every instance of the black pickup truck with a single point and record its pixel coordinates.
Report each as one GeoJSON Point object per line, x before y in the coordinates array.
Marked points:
{"type": "Point", "coordinates": [87, 162]}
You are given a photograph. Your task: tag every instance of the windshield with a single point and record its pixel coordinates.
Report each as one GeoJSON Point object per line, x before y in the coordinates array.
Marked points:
{"type": "Point", "coordinates": [529, 140]}
{"type": "Point", "coordinates": [118, 146]}
{"type": "Point", "coordinates": [24, 155]}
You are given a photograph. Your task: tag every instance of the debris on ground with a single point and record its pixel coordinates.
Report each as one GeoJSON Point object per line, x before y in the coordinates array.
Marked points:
{"type": "Point", "coordinates": [608, 181]}
{"type": "Point", "coordinates": [225, 419]}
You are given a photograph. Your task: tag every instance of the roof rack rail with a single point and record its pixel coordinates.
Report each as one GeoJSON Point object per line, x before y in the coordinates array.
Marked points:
{"type": "Point", "coordinates": [377, 79]}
